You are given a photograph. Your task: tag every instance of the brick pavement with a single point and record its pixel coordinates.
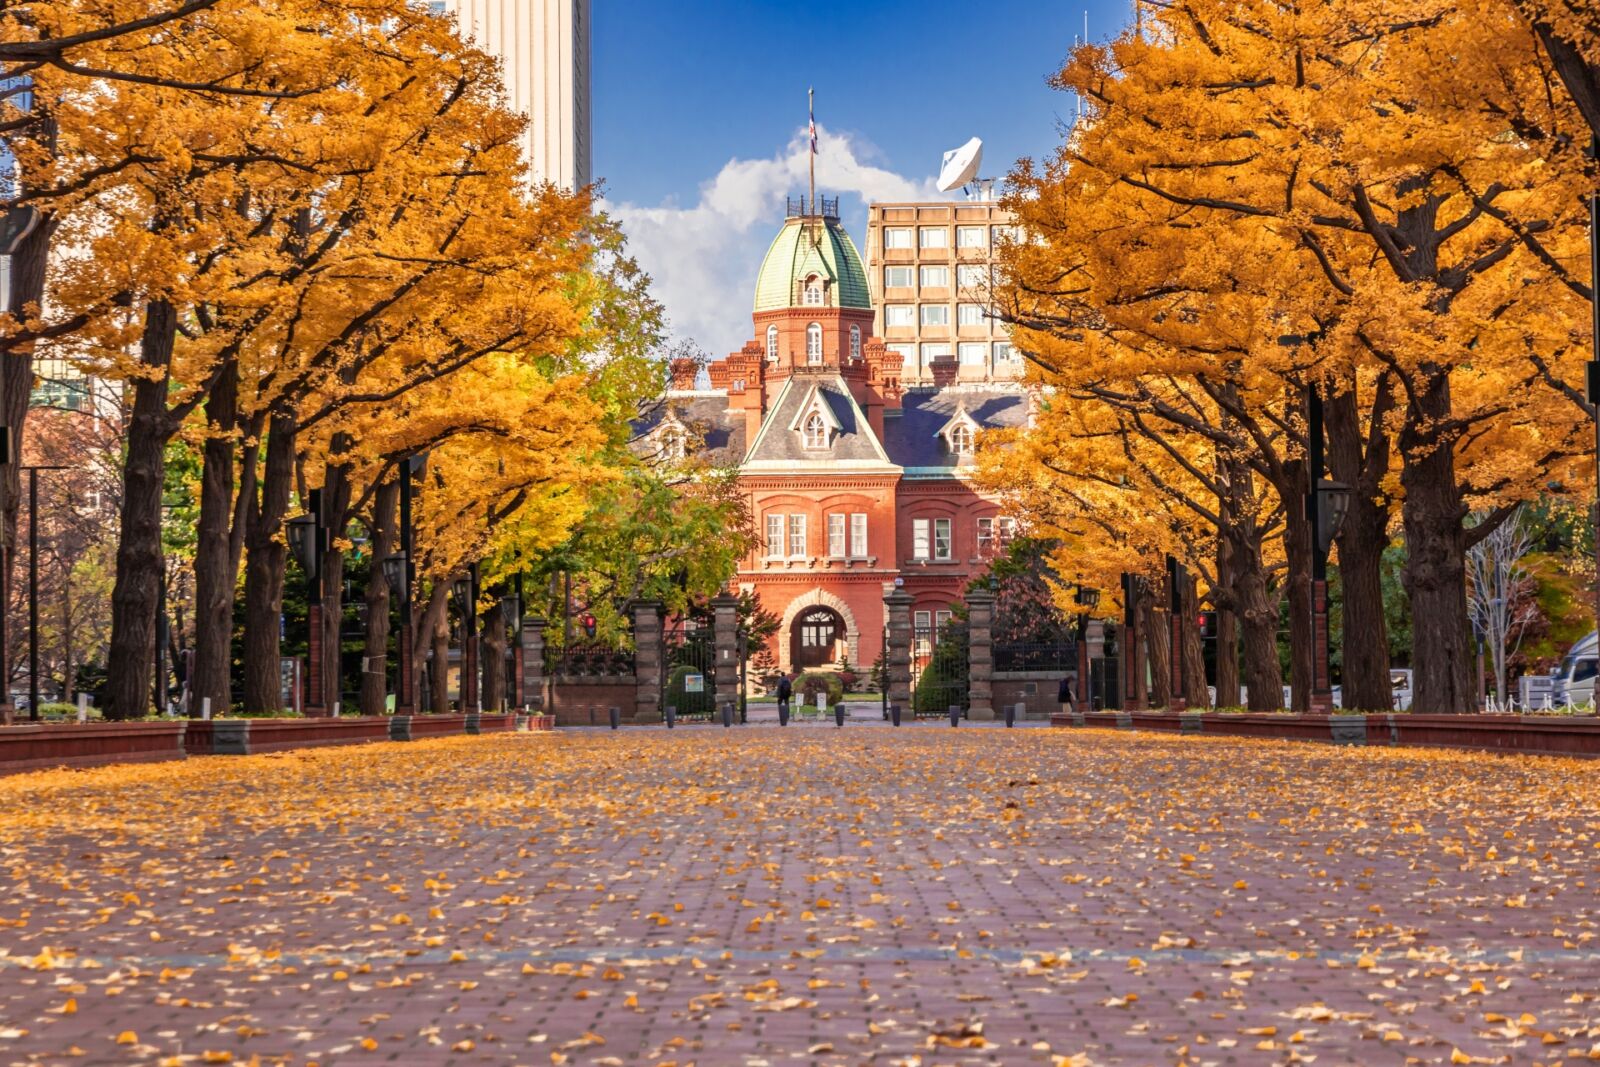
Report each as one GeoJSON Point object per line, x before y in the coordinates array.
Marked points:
{"type": "Point", "coordinates": [756, 896]}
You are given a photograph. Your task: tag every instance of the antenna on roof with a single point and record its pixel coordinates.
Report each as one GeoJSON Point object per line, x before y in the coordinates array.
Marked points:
{"type": "Point", "coordinates": [960, 169]}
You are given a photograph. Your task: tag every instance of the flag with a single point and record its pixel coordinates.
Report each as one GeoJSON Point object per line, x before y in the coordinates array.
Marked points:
{"type": "Point", "coordinates": [812, 99]}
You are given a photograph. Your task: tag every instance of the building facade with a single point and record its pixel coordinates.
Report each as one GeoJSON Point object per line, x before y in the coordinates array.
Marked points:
{"type": "Point", "coordinates": [544, 46]}
{"type": "Point", "coordinates": [931, 265]}
{"type": "Point", "coordinates": [858, 480]}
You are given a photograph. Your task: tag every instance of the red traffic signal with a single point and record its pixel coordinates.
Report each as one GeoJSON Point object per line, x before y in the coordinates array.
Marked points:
{"type": "Point", "coordinates": [1208, 625]}
{"type": "Point", "coordinates": [588, 624]}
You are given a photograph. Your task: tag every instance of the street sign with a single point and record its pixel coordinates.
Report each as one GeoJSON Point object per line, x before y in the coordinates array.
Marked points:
{"type": "Point", "coordinates": [694, 683]}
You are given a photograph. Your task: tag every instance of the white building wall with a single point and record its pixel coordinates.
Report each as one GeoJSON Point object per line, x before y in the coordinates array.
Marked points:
{"type": "Point", "coordinates": [544, 45]}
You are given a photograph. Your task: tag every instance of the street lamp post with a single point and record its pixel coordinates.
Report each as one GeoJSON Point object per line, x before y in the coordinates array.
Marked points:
{"type": "Point", "coordinates": [1593, 368]}
{"type": "Point", "coordinates": [1086, 599]}
{"type": "Point", "coordinates": [511, 615]}
{"type": "Point", "coordinates": [305, 541]}
{"type": "Point", "coordinates": [33, 584]}
{"type": "Point", "coordinates": [1325, 505]}
{"type": "Point", "coordinates": [1130, 642]}
{"type": "Point", "coordinates": [1176, 575]}
{"type": "Point", "coordinates": [466, 591]}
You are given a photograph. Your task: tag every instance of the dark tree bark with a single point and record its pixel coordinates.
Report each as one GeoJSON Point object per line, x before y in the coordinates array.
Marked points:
{"type": "Point", "coordinates": [336, 513]}
{"type": "Point", "coordinates": [140, 566]}
{"type": "Point", "coordinates": [1157, 641]}
{"type": "Point", "coordinates": [16, 377]}
{"type": "Point", "coordinates": [384, 531]}
{"type": "Point", "coordinates": [215, 574]}
{"type": "Point", "coordinates": [1194, 656]}
{"type": "Point", "coordinates": [440, 676]}
{"type": "Point", "coordinates": [492, 642]}
{"type": "Point", "coordinates": [1297, 549]}
{"type": "Point", "coordinates": [1222, 601]}
{"type": "Point", "coordinates": [1580, 74]}
{"type": "Point", "coordinates": [1362, 464]}
{"type": "Point", "coordinates": [1435, 571]}
{"type": "Point", "coordinates": [264, 568]}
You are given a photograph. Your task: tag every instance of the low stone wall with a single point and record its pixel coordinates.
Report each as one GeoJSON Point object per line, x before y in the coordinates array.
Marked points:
{"type": "Point", "coordinates": [1544, 735]}
{"type": "Point", "coordinates": [40, 745]}
{"type": "Point", "coordinates": [244, 737]}
{"type": "Point", "coordinates": [587, 700]}
{"type": "Point", "coordinates": [1037, 690]}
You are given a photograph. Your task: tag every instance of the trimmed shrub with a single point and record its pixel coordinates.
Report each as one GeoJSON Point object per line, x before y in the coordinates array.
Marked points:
{"type": "Point", "coordinates": [813, 682]}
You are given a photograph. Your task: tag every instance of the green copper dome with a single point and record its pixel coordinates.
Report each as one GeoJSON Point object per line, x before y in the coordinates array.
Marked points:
{"type": "Point", "coordinates": [794, 256]}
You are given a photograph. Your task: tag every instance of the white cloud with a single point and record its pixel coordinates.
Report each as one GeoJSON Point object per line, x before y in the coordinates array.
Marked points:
{"type": "Point", "coordinates": [704, 258]}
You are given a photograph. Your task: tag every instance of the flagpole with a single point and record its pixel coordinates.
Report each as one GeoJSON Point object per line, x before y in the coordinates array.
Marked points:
{"type": "Point", "coordinates": [811, 110]}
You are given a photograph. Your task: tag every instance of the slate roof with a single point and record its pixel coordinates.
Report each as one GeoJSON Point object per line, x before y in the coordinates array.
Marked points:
{"type": "Point", "coordinates": [911, 438]}
{"type": "Point", "coordinates": [854, 443]}
{"type": "Point", "coordinates": [793, 255]}
{"type": "Point", "coordinates": [719, 433]}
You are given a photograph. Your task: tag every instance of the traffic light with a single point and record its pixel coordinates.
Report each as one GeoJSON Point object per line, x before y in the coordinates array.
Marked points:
{"type": "Point", "coordinates": [1208, 626]}
{"type": "Point", "coordinates": [588, 624]}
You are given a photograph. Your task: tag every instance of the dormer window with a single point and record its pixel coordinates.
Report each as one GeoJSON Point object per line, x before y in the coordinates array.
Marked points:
{"type": "Point", "coordinates": [960, 434]}
{"type": "Point", "coordinates": [961, 440]}
{"type": "Point", "coordinates": [815, 433]}
{"type": "Point", "coordinates": [811, 296]}
{"type": "Point", "coordinates": [772, 344]}
{"type": "Point", "coordinates": [814, 343]}
{"type": "Point", "coordinates": [674, 444]}
{"type": "Point", "coordinates": [855, 342]}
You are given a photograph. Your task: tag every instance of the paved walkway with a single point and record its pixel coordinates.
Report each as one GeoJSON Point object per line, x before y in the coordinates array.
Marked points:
{"type": "Point", "coordinates": [920, 896]}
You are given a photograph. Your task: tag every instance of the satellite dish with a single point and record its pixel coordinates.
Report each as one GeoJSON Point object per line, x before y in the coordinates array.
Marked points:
{"type": "Point", "coordinates": [960, 165]}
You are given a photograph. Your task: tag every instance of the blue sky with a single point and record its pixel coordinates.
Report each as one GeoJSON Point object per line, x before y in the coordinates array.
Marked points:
{"type": "Point", "coordinates": [700, 111]}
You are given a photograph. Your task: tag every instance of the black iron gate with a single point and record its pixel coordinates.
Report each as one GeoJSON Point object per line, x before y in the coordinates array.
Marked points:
{"type": "Point", "coordinates": [689, 672]}
{"type": "Point", "coordinates": [938, 672]}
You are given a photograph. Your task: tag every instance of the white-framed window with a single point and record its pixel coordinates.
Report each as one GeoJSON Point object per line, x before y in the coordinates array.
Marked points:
{"type": "Point", "coordinates": [858, 535]}
{"type": "Point", "coordinates": [855, 342]}
{"type": "Point", "coordinates": [971, 237]}
{"type": "Point", "coordinates": [941, 539]}
{"type": "Point", "coordinates": [1003, 352]}
{"type": "Point", "coordinates": [898, 278]}
{"type": "Point", "coordinates": [961, 440]}
{"type": "Point", "coordinates": [1001, 234]}
{"type": "Point", "coordinates": [935, 277]}
{"type": "Point", "coordinates": [1005, 530]}
{"type": "Point", "coordinates": [813, 293]}
{"type": "Point", "coordinates": [814, 343]}
{"type": "Point", "coordinates": [941, 619]}
{"type": "Point", "coordinates": [972, 353]}
{"type": "Point", "coordinates": [935, 314]}
{"type": "Point", "coordinates": [674, 445]}
{"type": "Point", "coordinates": [932, 351]}
{"type": "Point", "coordinates": [815, 431]}
{"type": "Point", "coordinates": [899, 315]}
{"type": "Point", "coordinates": [985, 535]}
{"type": "Point", "coordinates": [906, 352]}
{"type": "Point", "coordinates": [836, 536]}
{"type": "Point", "coordinates": [922, 632]}
{"type": "Point", "coordinates": [933, 237]}
{"type": "Point", "coordinates": [775, 536]}
{"type": "Point", "coordinates": [897, 237]}
{"type": "Point", "coordinates": [922, 620]}
{"type": "Point", "coordinates": [972, 276]}
{"type": "Point", "coordinates": [921, 539]}
{"type": "Point", "coordinates": [797, 535]}
{"type": "Point", "coordinates": [772, 344]}
{"type": "Point", "coordinates": [970, 314]}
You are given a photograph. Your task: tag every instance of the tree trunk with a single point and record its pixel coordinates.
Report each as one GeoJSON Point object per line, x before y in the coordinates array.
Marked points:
{"type": "Point", "coordinates": [264, 569]}
{"type": "Point", "coordinates": [1297, 548]}
{"type": "Point", "coordinates": [375, 683]}
{"type": "Point", "coordinates": [1158, 641]}
{"type": "Point", "coordinates": [440, 676]}
{"type": "Point", "coordinates": [1258, 620]}
{"type": "Point", "coordinates": [214, 575]}
{"type": "Point", "coordinates": [1194, 654]}
{"type": "Point", "coordinates": [1435, 571]}
{"type": "Point", "coordinates": [492, 650]}
{"type": "Point", "coordinates": [1362, 465]}
{"type": "Point", "coordinates": [1227, 631]}
{"type": "Point", "coordinates": [336, 513]}
{"type": "Point", "coordinates": [140, 566]}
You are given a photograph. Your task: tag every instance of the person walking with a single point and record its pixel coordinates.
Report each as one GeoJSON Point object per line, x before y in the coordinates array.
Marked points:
{"type": "Point", "coordinates": [785, 691]}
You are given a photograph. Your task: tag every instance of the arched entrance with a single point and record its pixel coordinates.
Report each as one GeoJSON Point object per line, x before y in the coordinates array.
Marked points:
{"type": "Point", "coordinates": [816, 638]}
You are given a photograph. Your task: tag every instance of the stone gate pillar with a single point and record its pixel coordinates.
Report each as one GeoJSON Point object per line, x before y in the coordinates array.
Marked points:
{"type": "Point", "coordinates": [725, 645]}
{"type": "Point", "coordinates": [533, 664]}
{"type": "Point", "coordinates": [647, 660]}
{"type": "Point", "coordinates": [897, 651]}
{"type": "Point", "coordinates": [980, 655]}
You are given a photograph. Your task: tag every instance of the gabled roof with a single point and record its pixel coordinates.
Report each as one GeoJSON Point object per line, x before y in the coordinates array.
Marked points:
{"type": "Point", "coordinates": [778, 446]}
{"type": "Point", "coordinates": [719, 433]}
{"type": "Point", "coordinates": [914, 438]}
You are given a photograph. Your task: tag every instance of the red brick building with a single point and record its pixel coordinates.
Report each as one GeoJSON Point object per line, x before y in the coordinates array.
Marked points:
{"type": "Point", "coordinates": [855, 481]}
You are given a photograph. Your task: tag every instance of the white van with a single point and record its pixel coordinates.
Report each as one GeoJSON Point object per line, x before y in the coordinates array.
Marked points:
{"type": "Point", "coordinates": [1574, 678]}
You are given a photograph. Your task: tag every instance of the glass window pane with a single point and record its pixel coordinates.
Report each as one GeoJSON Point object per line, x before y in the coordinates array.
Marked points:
{"type": "Point", "coordinates": [836, 536]}
{"type": "Point", "coordinates": [897, 237]}
{"type": "Point", "coordinates": [899, 315]}
{"type": "Point", "coordinates": [797, 535]}
{"type": "Point", "coordinates": [774, 535]}
{"type": "Point", "coordinates": [933, 237]}
{"type": "Point", "coordinates": [897, 277]}
{"type": "Point", "coordinates": [935, 277]}
{"type": "Point", "coordinates": [969, 237]}
{"type": "Point", "coordinates": [919, 539]}
{"type": "Point", "coordinates": [935, 314]}
{"type": "Point", "coordinates": [970, 314]}
{"type": "Point", "coordinates": [941, 538]}
{"type": "Point", "coordinates": [858, 535]}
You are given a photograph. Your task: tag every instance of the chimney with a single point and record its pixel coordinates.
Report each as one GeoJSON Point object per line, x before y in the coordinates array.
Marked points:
{"type": "Point", "coordinates": [944, 371]}
{"type": "Point", "coordinates": [684, 372]}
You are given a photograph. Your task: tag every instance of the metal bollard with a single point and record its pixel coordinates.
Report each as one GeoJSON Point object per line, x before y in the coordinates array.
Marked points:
{"type": "Point", "coordinates": [727, 716]}
{"type": "Point", "coordinates": [894, 714]}
{"type": "Point", "coordinates": [838, 714]}
{"type": "Point", "coordinates": [616, 718]}
{"type": "Point", "coordinates": [672, 715]}
{"type": "Point", "coordinates": [1011, 716]}
{"type": "Point", "coordinates": [955, 714]}
{"type": "Point", "coordinates": [783, 713]}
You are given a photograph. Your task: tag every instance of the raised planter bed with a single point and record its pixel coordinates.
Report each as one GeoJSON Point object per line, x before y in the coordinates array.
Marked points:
{"type": "Point", "coordinates": [242, 737]}
{"type": "Point", "coordinates": [39, 745]}
{"type": "Point", "coordinates": [437, 726]}
{"type": "Point", "coordinates": [1156, 720]}
{"type": "Point", "coordinates": [1108, 719]}
{"type": "Point", "coordinates": [1267, 724]}
{"type": "Point", "coordinates": [497, 723]}
{"type": "Point", "coordinates": [541, 722]}
{"type": "Point", "coordinates": [1543, 734]}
